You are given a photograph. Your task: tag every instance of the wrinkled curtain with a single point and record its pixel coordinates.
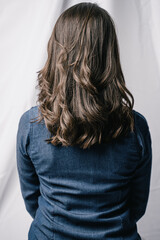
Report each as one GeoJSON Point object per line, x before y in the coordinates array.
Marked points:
{"type": "Point", "coordinates": [25, 27]}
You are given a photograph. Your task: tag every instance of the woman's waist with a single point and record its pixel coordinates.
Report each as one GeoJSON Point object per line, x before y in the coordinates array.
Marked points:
{"type": "Point", "coordinates": [104, 216]}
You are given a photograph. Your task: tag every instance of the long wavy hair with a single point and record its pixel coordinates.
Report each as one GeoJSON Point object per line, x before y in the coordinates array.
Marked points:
{"type": "Point", "coordinates": [83, 98]}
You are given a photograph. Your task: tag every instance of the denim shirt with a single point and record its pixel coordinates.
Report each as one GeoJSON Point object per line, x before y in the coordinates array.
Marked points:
{"type": "Point", "coordinates": [91, 194]}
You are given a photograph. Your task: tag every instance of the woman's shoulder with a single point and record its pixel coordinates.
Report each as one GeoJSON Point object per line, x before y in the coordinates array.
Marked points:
{"type": "Point", "coordinates": [140, 121]}
{"type": "Point", "coordinates": [29, 114]}
{"type": "Point", "coordinates": [26, 118]}
{"type": "Point", "coordinates": [142, 131]}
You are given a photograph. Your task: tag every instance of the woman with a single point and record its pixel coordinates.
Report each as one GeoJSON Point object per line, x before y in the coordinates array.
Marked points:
{"type": "Point", "coordinates": [84, 163]}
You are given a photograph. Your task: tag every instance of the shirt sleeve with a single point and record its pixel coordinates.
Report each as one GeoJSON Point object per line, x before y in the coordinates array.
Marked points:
{"type": "Point", "coordinates": [29, 181]}
{"type": "Point", "coordinates": [140, 184]}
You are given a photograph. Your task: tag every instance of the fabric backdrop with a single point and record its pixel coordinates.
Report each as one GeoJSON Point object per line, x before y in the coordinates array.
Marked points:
{"type": "Point", "coordinates": [25, 27]}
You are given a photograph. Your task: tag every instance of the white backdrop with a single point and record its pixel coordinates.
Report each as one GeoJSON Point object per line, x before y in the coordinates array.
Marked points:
{"type": "Point", "coordinates": [25, 27]}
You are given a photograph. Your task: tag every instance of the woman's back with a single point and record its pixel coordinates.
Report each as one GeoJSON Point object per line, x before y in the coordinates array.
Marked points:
{"type": "Point", "coordinates": [90, 194]}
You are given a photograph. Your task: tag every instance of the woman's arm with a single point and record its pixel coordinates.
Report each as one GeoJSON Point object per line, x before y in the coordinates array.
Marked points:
{"type": "Point", "coordinates": [140, 183]}
{"type": "Point", "coordinates": [29, 181]}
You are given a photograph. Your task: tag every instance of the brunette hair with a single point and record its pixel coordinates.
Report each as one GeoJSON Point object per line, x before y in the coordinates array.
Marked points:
{"type": "Point", "coordinates": [83, 98]}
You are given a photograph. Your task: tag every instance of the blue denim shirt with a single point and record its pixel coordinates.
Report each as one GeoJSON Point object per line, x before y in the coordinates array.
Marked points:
{"type": "Point", "coordinates": [91, 194]}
